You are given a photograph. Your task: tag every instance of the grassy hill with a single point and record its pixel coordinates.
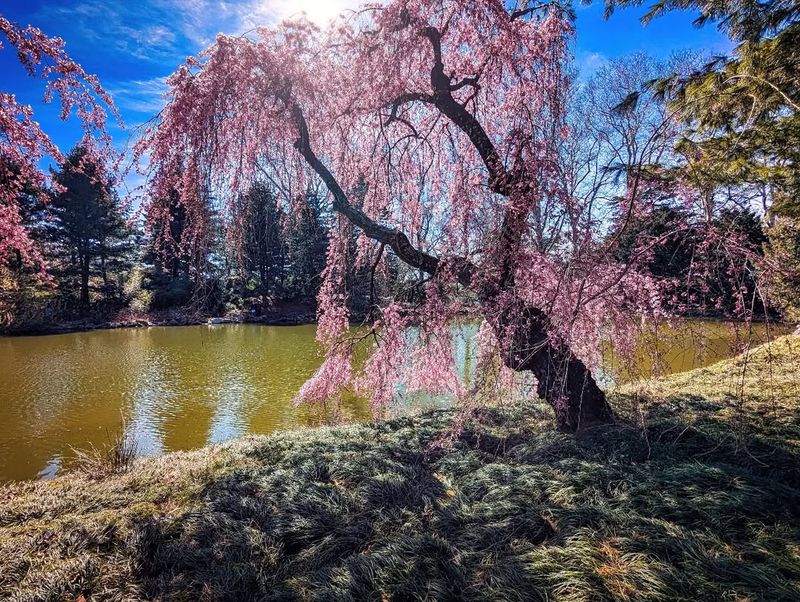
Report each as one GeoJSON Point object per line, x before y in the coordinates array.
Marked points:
{"type": "Point", "coordinates": [693, 495]}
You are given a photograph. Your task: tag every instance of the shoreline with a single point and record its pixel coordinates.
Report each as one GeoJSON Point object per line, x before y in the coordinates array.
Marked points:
{"type": "Point", "coordinates": [275, 318]}
{"type": "Point", "coordinates": [280, 317]}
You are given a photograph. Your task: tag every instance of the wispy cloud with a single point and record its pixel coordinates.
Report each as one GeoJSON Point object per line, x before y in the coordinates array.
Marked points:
{"type": "Point", "coordinates": [201, 20]}
{"type": "Point", "coordinates": [138, 41]}
{"type": "Point", "coordinates": [140, 96]}
{"type": "Point", "coordinates": [588, 63]}
{"type": "Point", "coordinates": [138, 29]}
{"type": "Point", "coordinates": [198, 21]}
{"type": "Point", "coordinates": [168, 30]}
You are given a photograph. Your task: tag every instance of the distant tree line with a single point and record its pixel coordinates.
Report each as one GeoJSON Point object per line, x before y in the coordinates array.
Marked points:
{"type": "Point", "coordinates": [102, 259]}
{"type": "Point", "coordinates": [712, 144]}
{"type": "Point", "coordinates": [703, 279]}
{"type": "Point", "coordinates": [721, 228]}
{"type": "Point", "coordinates": [86, 241]}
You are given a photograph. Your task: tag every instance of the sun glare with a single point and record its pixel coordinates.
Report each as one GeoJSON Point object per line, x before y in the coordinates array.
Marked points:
{"type": "Point", "coordinates": [321, 12]}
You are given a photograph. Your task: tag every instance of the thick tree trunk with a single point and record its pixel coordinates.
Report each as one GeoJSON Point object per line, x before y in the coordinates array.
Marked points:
{"type": "Point", "coordinates": [103, 268]}
{"type": "Point", "coordinates": [263, 276]}
{"type": "Point", "coordinates": [564, 381]}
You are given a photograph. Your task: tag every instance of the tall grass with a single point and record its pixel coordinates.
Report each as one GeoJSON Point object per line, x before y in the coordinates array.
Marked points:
{"type": "Point", "coordinates": [115, 457]}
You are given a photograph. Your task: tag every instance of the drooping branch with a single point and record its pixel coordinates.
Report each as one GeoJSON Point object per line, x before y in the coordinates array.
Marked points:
{"type": "Point", "coordinates": [391, 237]}
{"type": "Point", "coordinates": [508, 183]}
{"type": "Point", "coordinates": [528, 11]}
{"type": "Point", "coordinates": [560, 374]}
{"type": "Point", "coordinates": [511, 183]}
{"type": "Point", "coordinates": [484, 103]}
{"type": "Point", "coordinates": [23, 143]}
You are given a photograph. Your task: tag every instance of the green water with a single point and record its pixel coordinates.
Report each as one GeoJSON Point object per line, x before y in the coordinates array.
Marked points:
{"type": "Point", "coordinates": [184, 387]}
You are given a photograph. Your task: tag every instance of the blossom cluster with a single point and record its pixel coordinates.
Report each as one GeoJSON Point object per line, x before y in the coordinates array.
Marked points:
{"type": "Point", "coordinates": [23, 143]}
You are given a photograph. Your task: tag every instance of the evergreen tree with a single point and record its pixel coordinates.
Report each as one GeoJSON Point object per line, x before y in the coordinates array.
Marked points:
{"type": "Point", "coordinates": [693, 260]}
{"type": "Point", "coordinates": [262, 249]}
{"type": "Point", "coordinates": [742, 119]}
{"type": "Point", "coordinates": [87, 233]}
{"type": "Point", "coordinates": [669, 242]}
{"type": "Point", "coordinates": [307, 246]}
{"type": "Point", "coordinates": [743, 111]}
{"type": "Point", "coordinates": [185, 252]}
{"type": "Point", "coordinates": [165, 245]}
{"type": "Point", "coordinates": [784, 248]}
{"type": "Point", "coordinates": [168, 279]}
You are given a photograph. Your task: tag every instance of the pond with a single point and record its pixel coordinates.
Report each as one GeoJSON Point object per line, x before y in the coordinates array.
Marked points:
{"type": "Point", "coordinates": [179, 388]}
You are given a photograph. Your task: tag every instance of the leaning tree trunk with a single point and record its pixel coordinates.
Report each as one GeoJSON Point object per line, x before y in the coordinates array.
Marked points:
{"type": "Point", "coordinates": [564, 381]}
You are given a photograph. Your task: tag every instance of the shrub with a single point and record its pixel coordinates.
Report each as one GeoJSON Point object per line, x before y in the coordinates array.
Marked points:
{"type": "Point", "coordinates": [784, 249]}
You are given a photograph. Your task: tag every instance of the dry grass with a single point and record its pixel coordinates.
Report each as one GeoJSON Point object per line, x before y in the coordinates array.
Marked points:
{"type": "Point", "coordinates": [116, 457]}
{"type": "Point", "coordinates": [675, 509]}
{"type": "Point", "coordinates": [756, 393]}
{"type": "Point", "coordinates": [766, 377]}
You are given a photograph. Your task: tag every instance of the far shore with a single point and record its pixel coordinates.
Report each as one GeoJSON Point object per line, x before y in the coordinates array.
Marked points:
{"type": "Point", "coordinates": [282, 315]}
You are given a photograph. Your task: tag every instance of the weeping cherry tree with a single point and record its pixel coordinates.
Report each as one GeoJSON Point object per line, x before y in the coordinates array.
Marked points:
{"type": "Point", "coordinates": [437, 128]}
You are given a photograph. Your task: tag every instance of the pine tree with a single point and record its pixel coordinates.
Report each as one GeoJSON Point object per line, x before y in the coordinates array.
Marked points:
{"type": "Point", "coordinates": [87, 234]}
{"type": "Point", "coordinates": [165, 246]}
{"type": "Point", "coordinates": [307, 246]}
{"type": "Point", "coordinates": [262, 249]}
{"type": "Point", "coordinates": [742, 112]}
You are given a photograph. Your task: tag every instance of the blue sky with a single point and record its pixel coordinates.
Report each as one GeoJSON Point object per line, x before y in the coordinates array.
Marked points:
{"type": "Point", "coordinates": [132, 45]}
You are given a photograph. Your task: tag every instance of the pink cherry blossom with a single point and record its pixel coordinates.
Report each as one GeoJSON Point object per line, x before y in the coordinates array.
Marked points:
{"type": "Point", "coordinates": [436, 129]}
{"type": "Point", "coordinates": [23, 144]}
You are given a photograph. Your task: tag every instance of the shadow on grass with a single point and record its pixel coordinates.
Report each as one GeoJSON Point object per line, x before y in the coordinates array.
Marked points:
{"type": "Point", "coordinates": [510, 511]}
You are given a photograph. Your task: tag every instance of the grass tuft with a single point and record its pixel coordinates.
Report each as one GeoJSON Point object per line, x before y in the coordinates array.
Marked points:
{"type": "Point", "coordinates": [117, 457]}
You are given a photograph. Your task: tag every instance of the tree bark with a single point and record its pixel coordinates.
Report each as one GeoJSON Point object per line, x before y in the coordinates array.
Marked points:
{"type": "Point", "coordinates": [104, 271]}
{"type": "Point", "coordinates": [563, 380]}
{"type": "Point", "coordinates": [85, 281]}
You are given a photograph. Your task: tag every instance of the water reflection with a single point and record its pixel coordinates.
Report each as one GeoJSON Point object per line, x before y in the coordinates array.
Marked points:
{"type": "Point", "coordinates": [182, 388]}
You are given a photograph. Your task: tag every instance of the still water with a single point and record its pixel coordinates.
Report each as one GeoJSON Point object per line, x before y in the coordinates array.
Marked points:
{"type": "Point", "coordinates": [180, 388]}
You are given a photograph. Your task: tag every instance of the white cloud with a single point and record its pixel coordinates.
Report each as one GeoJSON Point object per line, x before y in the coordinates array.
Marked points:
{"type": "Point", "coordinates": [154, 35]}
{"type": "Point", "coordinates": [163, 30]}
{"type": "Point", "coordinates": [588, 63]}
{"type": "Point", "coordinates": [141, 96]}
{"type": "Point", "coordinates": [133, 28]}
